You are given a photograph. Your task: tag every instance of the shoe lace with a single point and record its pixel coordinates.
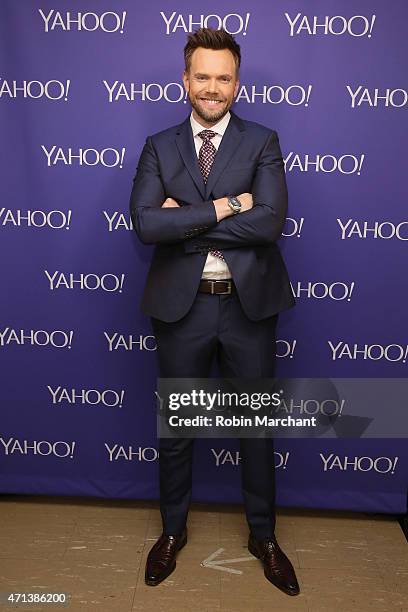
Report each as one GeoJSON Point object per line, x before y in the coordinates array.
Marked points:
{"type": "Point", "coordinates": [165, 549]}
{"type": "Point", "coordinates": [276, 558]}
{"type": "Point", "coordinates": [271, 548]}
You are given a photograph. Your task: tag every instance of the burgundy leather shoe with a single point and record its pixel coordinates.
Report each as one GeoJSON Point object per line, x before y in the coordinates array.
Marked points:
{"type": "Point", "coordinates": [161, 560]}
{"type": "Point", "coordinates": [277, 567]}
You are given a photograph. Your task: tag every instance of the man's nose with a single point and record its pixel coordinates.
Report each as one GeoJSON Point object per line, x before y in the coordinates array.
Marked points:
{"type": "Point", "coordinates": [212, 85]}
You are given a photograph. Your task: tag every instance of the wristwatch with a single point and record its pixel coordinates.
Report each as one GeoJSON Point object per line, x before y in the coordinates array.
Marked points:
{"type": "Point", "coordinates": [234, 204]}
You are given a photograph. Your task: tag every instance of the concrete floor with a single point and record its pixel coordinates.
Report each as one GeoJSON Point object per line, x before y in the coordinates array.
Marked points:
{"type": "Point", "coordinates": [95, 551]}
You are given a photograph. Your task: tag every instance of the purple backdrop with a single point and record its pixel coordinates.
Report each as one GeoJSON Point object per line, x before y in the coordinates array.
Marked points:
{"type": "Point", "coordinates": [81, 86]}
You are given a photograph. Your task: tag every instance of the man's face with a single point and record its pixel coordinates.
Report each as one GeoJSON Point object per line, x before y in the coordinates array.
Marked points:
{"type": "Point", "coordinates": [211, 84]}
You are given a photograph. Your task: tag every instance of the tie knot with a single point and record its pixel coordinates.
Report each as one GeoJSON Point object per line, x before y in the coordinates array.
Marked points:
{"type": "Point", "coordinates": [207, 134]}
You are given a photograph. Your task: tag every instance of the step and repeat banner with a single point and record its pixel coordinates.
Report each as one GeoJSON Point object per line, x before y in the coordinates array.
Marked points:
{"type": "Point", "coordinates": [82, 84]}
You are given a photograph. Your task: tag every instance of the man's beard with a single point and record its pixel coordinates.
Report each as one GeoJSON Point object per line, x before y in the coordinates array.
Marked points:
{"type": "Point", "coordinates": [207, 116]}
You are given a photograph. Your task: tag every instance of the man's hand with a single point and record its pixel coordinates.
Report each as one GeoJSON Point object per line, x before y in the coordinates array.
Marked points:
{"type": "Point", "coordinates": [222, 209]}
{"type": "Point", "coordinates": [246, 201]}
{"type": "Point", "coordinates": [170, 203]}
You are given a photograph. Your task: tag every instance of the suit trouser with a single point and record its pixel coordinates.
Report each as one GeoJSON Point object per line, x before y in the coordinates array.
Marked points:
{"type": "Point", "coordinates": [216, 326]}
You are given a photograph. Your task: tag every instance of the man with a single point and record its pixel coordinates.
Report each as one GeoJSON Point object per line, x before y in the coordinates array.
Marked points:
{"type": "Point", "coordinates": [211, 195]}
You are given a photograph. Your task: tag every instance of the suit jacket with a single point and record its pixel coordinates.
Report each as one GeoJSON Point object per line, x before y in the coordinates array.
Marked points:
{"type": "Point", "coordinates": [248, 159]}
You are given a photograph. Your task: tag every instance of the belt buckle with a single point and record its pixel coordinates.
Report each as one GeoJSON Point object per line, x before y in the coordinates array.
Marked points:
{"type": "Point", "coordinates": [229, 284]}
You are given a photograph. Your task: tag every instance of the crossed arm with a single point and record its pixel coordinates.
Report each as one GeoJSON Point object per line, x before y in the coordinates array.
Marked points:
{"type": "Point", "coordinates": [207, 225]}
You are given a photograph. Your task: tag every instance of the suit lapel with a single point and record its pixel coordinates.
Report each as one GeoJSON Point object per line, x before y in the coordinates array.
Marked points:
{"type": "Point", "coordinates": [185, 144]}
{"type": "Point", "coordinates": [231, 140]}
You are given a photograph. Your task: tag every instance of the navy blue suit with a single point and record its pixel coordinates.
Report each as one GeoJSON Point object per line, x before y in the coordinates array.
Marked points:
{"type": "Point", "coordinates": [249, 160]}
{"type": "Point", "coordinates": [193, 328]}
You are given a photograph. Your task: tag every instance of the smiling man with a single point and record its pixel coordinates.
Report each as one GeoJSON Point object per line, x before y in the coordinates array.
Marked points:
{"type": "Point", "coordinates": [210, 104]}
{"type": "Point", "coordinates": [211, 194]}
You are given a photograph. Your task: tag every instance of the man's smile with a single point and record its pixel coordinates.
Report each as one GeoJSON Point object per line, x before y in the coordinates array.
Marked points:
{"type": "Point", "coordinates": [210, 102]}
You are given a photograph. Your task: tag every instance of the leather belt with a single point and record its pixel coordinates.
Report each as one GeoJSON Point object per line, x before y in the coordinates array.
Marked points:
{"type": "Point", "coordinates": [216, 287]}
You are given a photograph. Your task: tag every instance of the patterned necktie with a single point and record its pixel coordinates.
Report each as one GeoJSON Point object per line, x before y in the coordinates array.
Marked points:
{"type": "Point", "coordinates": [206, 158]}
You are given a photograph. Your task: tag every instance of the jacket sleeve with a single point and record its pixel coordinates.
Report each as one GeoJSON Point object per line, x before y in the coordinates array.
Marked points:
{"type": "Point", "coordinates": [154, 224]}
{"type": "Point", "coordinates": [263, 223]}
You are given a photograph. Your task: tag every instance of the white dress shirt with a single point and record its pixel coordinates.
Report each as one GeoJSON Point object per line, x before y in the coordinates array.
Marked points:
{"type": "Point", "coordinates": [214, 267]}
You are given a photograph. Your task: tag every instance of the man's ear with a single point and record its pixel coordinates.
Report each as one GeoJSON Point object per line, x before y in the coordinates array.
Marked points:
{"type": "Point", "coordinates": [186, 81]}
{"type": "Point", "coordinates": [236, 89]}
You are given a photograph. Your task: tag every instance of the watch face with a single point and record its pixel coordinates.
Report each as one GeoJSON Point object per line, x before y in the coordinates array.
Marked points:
{"type": "Point", "coordinates": [235, 203]}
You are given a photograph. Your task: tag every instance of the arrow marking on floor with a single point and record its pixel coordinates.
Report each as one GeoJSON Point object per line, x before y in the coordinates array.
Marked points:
{"type": "Point", "coordinates": [219, 563]}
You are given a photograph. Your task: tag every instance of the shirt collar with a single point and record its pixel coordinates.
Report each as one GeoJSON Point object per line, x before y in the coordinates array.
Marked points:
{"type": "Point", "coordinates": [219, 127]}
